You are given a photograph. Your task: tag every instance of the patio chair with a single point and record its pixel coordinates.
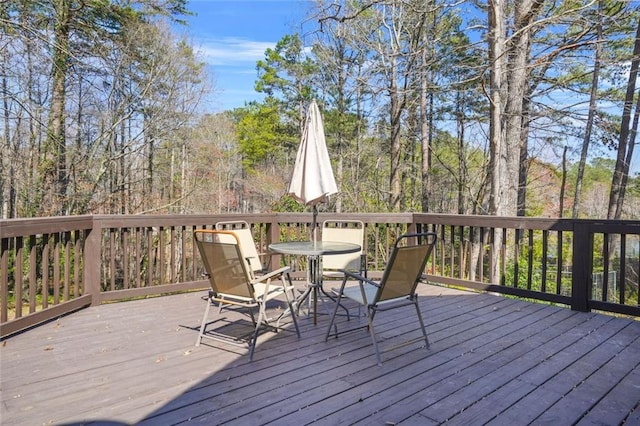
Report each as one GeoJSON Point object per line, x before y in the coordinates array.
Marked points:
{"type": "Point", "coordinates": [247, 244]}
{"type": "Point", "coordinates": [396, 289]}
{"type": "Point", "coordinates": [242, 231]}
{"type": "Point", "coordinates": [232, 284]}
{"type": "Point", "coordinates": [347, 231]}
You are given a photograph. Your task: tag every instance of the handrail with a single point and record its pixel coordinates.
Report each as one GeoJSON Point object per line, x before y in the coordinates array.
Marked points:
{"type": "Point", "coordinates": [60, 264]}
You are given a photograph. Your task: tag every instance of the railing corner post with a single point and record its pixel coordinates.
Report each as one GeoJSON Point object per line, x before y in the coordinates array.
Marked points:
{"type": "Point", "coordinates": [581, 277]}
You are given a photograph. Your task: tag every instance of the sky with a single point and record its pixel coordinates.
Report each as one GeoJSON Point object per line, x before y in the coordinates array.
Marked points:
{"type": "Point", "coordinates": [232, 35]}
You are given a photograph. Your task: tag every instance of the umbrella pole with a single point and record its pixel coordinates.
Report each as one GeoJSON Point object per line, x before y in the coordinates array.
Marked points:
{"type": "Point", "coordinates": [316, 266]}
{"type": "Point", "coordinates": [315, 216]}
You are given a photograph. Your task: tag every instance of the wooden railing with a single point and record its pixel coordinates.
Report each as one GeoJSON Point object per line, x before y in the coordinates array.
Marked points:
{"type": "Point", "coordinates": [52, 266]}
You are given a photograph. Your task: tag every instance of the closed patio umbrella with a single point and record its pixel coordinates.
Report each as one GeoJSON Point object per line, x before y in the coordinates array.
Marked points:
{"type": "Point", "coordinates": [312, 181]}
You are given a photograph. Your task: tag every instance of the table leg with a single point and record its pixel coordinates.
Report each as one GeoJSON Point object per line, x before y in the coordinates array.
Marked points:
{"type": "Point", "coordinates": [315, 278]}
{"type": "Point", "coordinates": [314, 287]}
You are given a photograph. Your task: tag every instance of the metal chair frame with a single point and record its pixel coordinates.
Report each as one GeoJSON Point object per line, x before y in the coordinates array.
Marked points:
{"type": "Point", "coordinates": [232, 284]}
{"type": "Point", "coordinates": [396, 289]}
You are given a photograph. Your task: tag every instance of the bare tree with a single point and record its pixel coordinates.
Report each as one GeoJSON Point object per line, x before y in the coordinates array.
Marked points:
{"type": "Point", "coordinates": [593, 96]}
{"type": "Point", "coordinates": [626, 140]}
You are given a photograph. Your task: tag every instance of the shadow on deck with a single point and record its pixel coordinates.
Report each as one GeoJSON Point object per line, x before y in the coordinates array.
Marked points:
{"type": "Point", "coordinates": [493, 360]}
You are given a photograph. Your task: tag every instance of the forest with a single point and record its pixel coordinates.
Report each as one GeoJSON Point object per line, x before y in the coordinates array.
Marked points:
{"type": "Point", "coordinates": [493, 107]}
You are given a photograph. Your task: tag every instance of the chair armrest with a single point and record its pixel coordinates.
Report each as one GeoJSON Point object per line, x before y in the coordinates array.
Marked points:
{"type": "Point", "coordinates": [266, 280]}
{"type": "Point", "coordinates": [359, 277]}
{"type": "Point", "coordinates": [271, 274]}
{"type": "Point", "coordinates": [361, 282]}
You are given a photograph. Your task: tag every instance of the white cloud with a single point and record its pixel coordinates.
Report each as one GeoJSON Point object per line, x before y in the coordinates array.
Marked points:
{"type": "Point", "coordinates": [233, 51]}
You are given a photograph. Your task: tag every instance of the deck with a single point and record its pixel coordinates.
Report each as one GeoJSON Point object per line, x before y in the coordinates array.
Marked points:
{"type": "Point", "coordinates": [493, 360]}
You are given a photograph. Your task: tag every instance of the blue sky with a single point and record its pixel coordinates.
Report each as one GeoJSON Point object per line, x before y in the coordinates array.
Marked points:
{"type": "Point", "coordinates": [232, 35]}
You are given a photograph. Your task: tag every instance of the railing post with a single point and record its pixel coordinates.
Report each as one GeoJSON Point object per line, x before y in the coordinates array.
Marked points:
{"type": "Point", "coordinates": [581, 276]}
{"type": "Point", "coordinates": [273, 236]}
{"type": "Point", "coordinates": [91, 273]}
{"type": "Point", "coordinates": [412, 227]}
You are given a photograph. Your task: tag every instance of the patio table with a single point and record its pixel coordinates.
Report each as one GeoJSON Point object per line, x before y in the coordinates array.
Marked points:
{"type": "Point", "coordinates": [314, 250]}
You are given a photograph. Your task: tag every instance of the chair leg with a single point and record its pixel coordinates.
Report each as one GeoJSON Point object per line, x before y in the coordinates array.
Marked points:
{"type": "Point", "coordinates": [204, 322]}
{"type": "Point", "coordinates": [333, 299]}
{"type": "Point", "coordinates": [292, 307]}
{"type": "Point", "coordinates": [370, 316]}
{"type": "Point", "coordinates": [333, 318]}
{"type": "Point", "coordinates": [293, 317]}
{"type": "Point", "coordinates": [254, 339]}
{"type": "Point", "coordinates": [253, 318]}
{"type": "Point", "coordinates": [424, 331]}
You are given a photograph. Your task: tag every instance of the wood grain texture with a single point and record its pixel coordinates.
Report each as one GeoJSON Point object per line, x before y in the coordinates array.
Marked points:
{"type": "Point", "coordinates": [493, 360]}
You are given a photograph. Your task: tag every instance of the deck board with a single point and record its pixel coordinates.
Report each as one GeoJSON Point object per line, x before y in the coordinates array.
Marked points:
{"type": "Point", "coordinates": [492, 360]}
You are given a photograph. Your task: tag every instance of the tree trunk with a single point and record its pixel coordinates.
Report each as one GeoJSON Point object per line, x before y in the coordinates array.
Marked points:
{"type": "Point", "coordinates": [563, 183]}
{"type": "Point", "coordinates": [5, 187]}
{"type": "Point", "coordinates": [56, 143]}
{"type": "Point", "coordinates": [593, 96]}
{"type": "Point", "coordinates": [341, 140]}
{"type": "Point", "coordinates": [425, 128]}
{"type": "Point", "coordinates": [395, 183]}
{"type": "Point", "coordinates": [496, 133]}
{"type": "Point", "coordinates": [517, 104]}
{"type": "Point", "coordinates": [625, 149]}
{"type": "Point", "coordinates": [462, 170]}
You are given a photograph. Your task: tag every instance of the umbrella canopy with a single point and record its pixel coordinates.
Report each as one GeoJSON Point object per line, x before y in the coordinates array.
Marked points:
{"type": "Point", "coordinates": [312, 181]}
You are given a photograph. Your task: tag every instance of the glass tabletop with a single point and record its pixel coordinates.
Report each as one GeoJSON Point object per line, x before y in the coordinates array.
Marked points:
{"type": "Point", "coordinates": [318, 248]}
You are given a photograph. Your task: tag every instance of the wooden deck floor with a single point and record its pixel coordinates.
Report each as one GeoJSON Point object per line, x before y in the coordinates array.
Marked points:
{"type": "Point", "coordinates": [492, 360]}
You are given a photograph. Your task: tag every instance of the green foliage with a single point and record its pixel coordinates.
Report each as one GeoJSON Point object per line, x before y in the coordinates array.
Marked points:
{"type": "Point", "coordinates": [549, 282]}
{"type": "Point", "coordinates": [534, 253]}
{"type": "Point", "coordinates": [456, 168]}
{"type": "Point", "coordinates": [287, 203]}
{"type": "Point", "coordinates": [26, 274]}
{"type": "Point", "coordinates": [341, 129]}
{"type": "Point", "coordinates": [599, 171]}
{"type": "Point", "coordinates": [260, 133]}
{"type": "Point", "coordinates": [633, 186]}
{"type": "Point", "coordinates": [286, 74]}
{"type": "Point", "coordinates": [129, 98]}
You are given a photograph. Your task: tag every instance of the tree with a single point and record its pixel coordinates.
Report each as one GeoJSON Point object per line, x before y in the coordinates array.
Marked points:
{"type": "Point", "coordinates": [420, 112]}
{"type": "Point", "coordinates": [80, 22]}
{"type": "Point", "coordinates": [342, 59]}
{"type": "Point", "coordinates": [627, 137]}
{"type": "Point", "coordinates": [68, 30]}
{"type": "Point", "coordinates": [214, 171]}
{"type": "Point", "coordinates": [592, 109]}
{"type": "Point", "coordinates": [259, 133]}
{"type": "Point", "coordinates": [510, 70]}
{"type": "Point", "coordinates": [84, 136]}
{"type": "Point", "coordinates": [286, 74]}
